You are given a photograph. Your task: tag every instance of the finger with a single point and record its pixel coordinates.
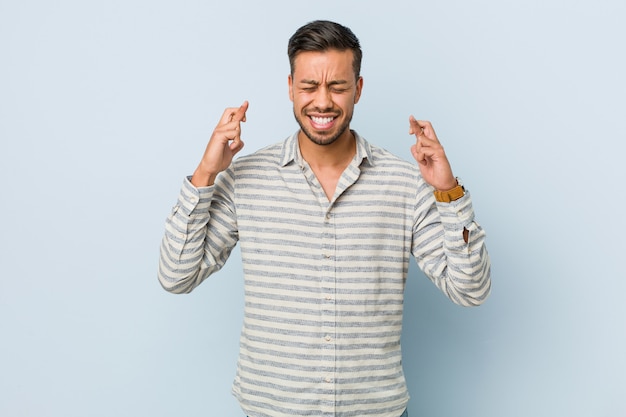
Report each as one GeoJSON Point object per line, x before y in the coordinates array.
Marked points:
{"type": "Point", "coordinates": [234, 134]}
{"type": "Point", "coordinates": [235, 146]}
{"type": "Point", "coordinates": [428, 143]}
{"type": "Point", "coordinates": [227, 116]}
{"type": "Point", "coordinates": [428, 147]}
{"type": "Point", "coordinates": [419, 155]}
{"type": "Point", "coordinates": [421, 128]}
{"type": "Point", "coordinates": [414, 127]}
{"type": "Point", "coordinates": [427, 128]}
{"type": "Point", "coordinates": [237, 114]}
{"type": "Point", "coordinates": [240, 114]}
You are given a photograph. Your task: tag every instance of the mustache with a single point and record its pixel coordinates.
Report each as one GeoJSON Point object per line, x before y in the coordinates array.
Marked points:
{"type": "Point", "coordinates": [322, 112]}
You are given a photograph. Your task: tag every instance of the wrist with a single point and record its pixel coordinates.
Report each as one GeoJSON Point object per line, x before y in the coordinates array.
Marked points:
{"type": "Point", "coordinates": [449, 186]}
{"type": "Point", "coordinates": [202, 178]}
{"type": "Point", "coordinates": [451, 194]}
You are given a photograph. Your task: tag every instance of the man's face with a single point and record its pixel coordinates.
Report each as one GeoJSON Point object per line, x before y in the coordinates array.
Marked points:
{"type": "Point", "coordinates": [324, 90]}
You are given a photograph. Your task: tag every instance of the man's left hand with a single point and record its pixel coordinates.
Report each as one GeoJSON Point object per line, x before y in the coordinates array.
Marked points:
{"type": "Point", "coordinates": [430, 156]}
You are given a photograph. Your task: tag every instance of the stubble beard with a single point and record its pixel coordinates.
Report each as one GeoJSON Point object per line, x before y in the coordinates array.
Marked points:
{"type": "Point", "coordinates": [321, 139]}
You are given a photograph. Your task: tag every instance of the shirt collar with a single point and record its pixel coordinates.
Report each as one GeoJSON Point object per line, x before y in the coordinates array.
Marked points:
{"type": "Point", "coordinates": [291, 151]}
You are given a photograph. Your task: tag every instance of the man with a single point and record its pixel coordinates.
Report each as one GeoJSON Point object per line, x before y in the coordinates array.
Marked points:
{"type": "Point", "coordinates": [326, 223]}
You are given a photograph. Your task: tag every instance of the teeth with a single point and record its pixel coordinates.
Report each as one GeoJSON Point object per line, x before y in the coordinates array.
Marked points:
{"type": "Point", "coordinates": [322, 120]}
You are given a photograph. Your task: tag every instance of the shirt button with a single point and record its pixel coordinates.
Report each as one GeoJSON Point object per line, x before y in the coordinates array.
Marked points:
{"type": "Point", "coordinates": [327, 338]}
{"type": "Point", "coordinates": [328, 297]}
{"type": "Point", "coordinates": [328, 380]}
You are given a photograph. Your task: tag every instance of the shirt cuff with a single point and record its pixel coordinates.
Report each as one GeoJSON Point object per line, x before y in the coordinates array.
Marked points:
{"type": "Point", "coordinates": [194, 201]}
{"type": "Point", "coordinates": [456, 215]}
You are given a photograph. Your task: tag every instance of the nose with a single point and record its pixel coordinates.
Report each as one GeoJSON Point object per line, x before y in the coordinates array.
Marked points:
{"type": "Point", "coordinates": [323, 99]}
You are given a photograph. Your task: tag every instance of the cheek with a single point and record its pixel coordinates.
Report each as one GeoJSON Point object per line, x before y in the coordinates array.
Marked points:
{"type": "Point", "coordinates": [301, 100]}
{"type": "Point", "coordinates": [348, 102]}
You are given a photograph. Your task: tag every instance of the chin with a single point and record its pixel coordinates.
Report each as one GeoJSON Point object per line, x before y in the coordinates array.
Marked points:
{"type": "Point", "coordinates": [323, 140]}
{"type": "Point", "coordinates": [326, 138]}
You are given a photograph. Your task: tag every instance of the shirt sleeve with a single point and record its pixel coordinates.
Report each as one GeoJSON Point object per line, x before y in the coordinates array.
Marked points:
{"type": "Point", "coordinates": [200, 233]}
{"type": "Point", "coordinates": [461, 270]}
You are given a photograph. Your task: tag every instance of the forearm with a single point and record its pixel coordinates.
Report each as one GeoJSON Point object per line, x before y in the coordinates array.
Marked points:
{"type": "Point", "coordinates": [456, 260]}
{"type": "Point", "coordinates": [187, 256]}
{"type": "Point", "coordinates": [466, 279]}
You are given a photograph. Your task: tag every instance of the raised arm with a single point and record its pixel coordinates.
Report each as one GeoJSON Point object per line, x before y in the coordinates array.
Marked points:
{"type": "Point", "coordinates": [449, 245]}
{"type": "Point", "coordinates": [201, 230]}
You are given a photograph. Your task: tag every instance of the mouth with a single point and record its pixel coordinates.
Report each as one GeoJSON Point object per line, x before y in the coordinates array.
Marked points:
{"type": "Point", "coordinates": [322, 122]}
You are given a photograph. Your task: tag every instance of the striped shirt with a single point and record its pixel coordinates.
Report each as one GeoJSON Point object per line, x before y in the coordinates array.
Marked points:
{"type": "Point", "coordinates": [324, 280]}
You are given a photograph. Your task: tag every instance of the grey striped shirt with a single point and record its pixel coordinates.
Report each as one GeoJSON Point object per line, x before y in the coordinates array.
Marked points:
{"type": "Point", "coordinates": [324, 280]}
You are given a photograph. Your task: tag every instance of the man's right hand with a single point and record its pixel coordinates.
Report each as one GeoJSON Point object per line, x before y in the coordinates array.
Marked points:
{"type": "Point", "coordinates": [225, 142]}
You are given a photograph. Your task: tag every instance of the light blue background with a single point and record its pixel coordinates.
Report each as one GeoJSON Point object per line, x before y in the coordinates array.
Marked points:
{"type": "Point", "coordinates": [106, 105]}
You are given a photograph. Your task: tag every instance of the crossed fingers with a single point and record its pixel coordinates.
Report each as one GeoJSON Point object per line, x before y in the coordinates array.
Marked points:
{"type": "Point", "coordinates": [230, 127]}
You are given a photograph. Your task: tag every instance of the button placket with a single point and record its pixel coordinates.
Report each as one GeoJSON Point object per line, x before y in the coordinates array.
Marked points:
{"type": "Point", "coordinates": [328, 310]}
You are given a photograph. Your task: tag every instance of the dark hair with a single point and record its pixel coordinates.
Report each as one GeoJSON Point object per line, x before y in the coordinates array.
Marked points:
{"type": "Point", "coordinates": [322, 35]}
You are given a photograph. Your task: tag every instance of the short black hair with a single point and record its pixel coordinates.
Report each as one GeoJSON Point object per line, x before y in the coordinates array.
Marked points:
{"type": "Point", "coordinates": [323, 35]}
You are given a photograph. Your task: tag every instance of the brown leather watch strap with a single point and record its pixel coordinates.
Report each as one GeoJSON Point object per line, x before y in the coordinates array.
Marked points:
{"type": "Point", "coordinates": [449, 195]}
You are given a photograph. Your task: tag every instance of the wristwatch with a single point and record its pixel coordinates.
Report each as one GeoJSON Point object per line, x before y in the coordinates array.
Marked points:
{"type": "Point", "coordinates": [450, 195]}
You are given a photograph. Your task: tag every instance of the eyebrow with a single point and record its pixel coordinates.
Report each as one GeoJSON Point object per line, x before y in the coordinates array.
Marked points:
{"type": "Point", "coordinates": [316, 83]}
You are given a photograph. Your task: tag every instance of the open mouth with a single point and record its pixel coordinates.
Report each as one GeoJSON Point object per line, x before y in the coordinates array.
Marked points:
{"type": "Point", "coordinates": [322, 123]}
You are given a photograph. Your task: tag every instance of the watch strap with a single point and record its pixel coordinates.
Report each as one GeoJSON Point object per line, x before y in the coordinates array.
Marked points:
{"type": "Point", "coordinates": [449, 195]}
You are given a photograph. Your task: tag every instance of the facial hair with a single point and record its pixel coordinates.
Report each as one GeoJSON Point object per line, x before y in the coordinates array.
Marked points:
{"type": "Point", "coordinates": [322, 139]}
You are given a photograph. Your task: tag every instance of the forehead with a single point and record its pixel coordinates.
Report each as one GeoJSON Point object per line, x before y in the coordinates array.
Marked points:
{"type": "Point", "coordinates": [325, 64]}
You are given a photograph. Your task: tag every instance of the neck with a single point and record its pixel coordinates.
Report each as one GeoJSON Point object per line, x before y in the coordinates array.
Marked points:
{"type": "Point", "coordinates": [337, 154]}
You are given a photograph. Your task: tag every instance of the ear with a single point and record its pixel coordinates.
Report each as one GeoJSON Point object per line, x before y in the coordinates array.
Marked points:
{"type": "Point", "coordinates": [359, 88]}
{"type": "Point", "coordinates": [290, 82]}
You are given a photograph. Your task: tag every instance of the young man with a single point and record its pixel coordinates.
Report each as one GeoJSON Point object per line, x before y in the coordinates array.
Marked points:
{"type": "Point", "coordinates": [327, 223]}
